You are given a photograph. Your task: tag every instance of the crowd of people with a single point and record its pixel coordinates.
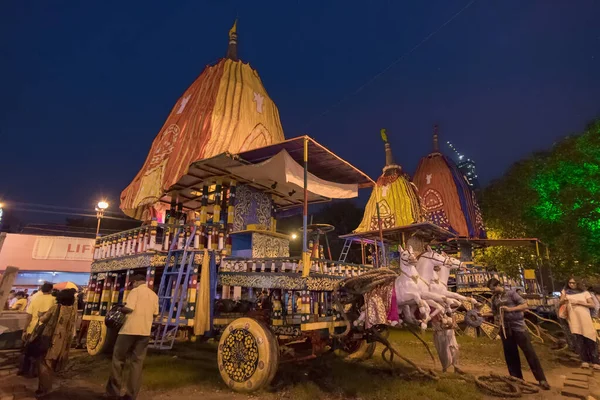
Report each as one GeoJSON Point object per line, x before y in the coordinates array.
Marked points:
{"type": "Point", "coordinates": [51, 331]}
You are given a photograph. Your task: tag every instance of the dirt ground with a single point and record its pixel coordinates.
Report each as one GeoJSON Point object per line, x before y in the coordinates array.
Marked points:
{"type": "Point", "coordinates": [189, 372]}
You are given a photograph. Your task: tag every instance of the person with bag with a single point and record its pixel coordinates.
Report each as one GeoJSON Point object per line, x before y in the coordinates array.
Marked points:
{"type": "Point", "coordinates": [38, 306]}
{"type": "Point", "coordinates": [575, 306]}
{"type": "Point", "coordinates": [134, 336]}
{"type": "Point", "coordinates": [51, 340]}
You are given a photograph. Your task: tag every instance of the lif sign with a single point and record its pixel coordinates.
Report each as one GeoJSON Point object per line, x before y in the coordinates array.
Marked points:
{"type": "Point", "coordinates": [63, 248]}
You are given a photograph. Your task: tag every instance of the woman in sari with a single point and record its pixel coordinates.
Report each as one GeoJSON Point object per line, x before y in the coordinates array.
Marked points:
{"type": "Point", "coordinates": [54, 340]}
{"type": "Point", "coordinates": [579, 303]}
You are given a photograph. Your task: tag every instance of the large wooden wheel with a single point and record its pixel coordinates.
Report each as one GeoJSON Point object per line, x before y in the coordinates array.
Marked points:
{"type": "Point", "coordinates": [99, 339]}
{"type": "Point", "coordinates": [248, 355]}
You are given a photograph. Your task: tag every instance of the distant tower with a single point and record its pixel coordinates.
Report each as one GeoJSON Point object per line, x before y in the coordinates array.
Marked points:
{"type": "Point", "coordinates": [467, 166]}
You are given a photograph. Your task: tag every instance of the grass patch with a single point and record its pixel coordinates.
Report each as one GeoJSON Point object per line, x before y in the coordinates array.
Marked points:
{"type": "Point", "coordinates": [328, 377]}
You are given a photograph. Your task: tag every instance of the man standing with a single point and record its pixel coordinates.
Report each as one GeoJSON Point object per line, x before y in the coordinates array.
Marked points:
{"type": "Point", "coordinates": [444, 340]}
{"type": "Point", "coordinates": [132, 341]}
{"type": "Point", "coordinates": [39, 305]}
{"type": "Point", "coordinates": [508, 308]}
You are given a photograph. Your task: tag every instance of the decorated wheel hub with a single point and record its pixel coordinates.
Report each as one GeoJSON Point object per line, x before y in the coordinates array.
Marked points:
{"type": "Point", "coordinates": [94, 335]}
{"type": "Point", "coordinates": [240, 355]}
{"type": "Point", "coordinates": [351, 345]}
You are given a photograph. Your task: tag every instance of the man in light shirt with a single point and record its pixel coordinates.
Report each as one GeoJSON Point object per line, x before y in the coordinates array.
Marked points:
{"type": "Point", "coordinates": [133, 339]}
{"type": "Point", "coordinates": [37, 307]}
{"type": "Point", "coordinates": [39, 304]}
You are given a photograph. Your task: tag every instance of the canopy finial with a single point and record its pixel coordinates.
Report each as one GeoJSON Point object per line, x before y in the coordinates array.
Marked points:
{"type": "Point", "coordinates": [232, 47]}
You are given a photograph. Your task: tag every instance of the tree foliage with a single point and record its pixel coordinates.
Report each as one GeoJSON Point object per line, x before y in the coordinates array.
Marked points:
{"type": "Point", "coordinates": [554, 196]}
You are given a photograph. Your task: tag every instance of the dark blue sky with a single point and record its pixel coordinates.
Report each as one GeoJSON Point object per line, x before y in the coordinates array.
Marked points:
{"type": "Point", "coordinates": [85, 86]}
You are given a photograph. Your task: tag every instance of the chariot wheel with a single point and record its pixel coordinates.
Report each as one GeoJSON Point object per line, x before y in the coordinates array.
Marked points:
{"type": "Point", "coordinates": [248, 355]}
{"type": "Point", "coordinates": [99, 338]}
{"type": "Point", "coordinates": [356, 349]}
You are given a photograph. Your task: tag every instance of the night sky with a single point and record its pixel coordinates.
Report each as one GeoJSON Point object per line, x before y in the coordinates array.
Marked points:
{"type": "Point", "coordinates": [85, 86]}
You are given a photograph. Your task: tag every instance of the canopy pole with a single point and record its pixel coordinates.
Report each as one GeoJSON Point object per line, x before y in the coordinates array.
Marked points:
{"type": "Point", "coordinates": [362, 251]}
{"type": "Point", "coordinates": [306, 261]}
{"type": "Point", "coordinates": [380, 235]}
{"type": "Point", "coordinates": [305, 211]}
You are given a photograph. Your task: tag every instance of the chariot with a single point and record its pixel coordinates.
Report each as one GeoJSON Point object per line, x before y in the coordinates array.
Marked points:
{"type": "Point", "coordinates": [222, 270]}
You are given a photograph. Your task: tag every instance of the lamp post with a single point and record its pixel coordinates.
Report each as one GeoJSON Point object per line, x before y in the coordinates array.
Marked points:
{"type": "Point", "coordinates": [100, 208]}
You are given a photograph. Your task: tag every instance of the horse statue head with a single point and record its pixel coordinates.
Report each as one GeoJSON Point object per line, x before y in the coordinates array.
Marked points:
{"type": "Point", "coordinates": [443, 270]}
{"type": "Point", "coordinates": [427, 261]}
{"type": "Point", "coordinates": [408, 260]}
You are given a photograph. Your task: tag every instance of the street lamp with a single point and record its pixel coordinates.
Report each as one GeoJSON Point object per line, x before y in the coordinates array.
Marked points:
{"type": "Point", "coordinates": [100, 208]}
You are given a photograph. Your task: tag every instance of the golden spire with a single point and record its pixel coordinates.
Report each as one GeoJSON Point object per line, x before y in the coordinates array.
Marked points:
{"type": "Point", "coordinates": [233, 30]}
{"type": "Point", "coordinates": [232, 48]}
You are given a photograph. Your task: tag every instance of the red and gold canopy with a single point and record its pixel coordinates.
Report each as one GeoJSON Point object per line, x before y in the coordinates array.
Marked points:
{"type": "Point", "coordinates": [226, 109]}
{"type": "Point", "coordinates": [446, 196]}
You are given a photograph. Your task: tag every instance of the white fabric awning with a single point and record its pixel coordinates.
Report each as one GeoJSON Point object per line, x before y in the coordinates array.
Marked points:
{"type": "Point", "coordinates": [289, 176]}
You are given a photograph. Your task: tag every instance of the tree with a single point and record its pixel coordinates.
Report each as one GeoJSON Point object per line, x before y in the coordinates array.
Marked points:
{"type": "Point", "coordinates": [554, 196]}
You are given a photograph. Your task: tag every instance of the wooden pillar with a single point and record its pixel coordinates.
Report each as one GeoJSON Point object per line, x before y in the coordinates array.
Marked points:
{"type": "Point", "coordinates": [190, 309]}
{"type": "Point", "coordinates": [277, 311]}
{"type": "Point", "coordinates": [150, 275]}
{"type": "Point", "coordinates": [117, 277]}
{"type": "Point", "coordinates": [96, 298]}
{"type": "Point", "coordinates": [128, 285]}
{"type": "Point", "coordinates": [230, 215]}
{"type": "Point", "coordinates": [305, 311]}
{"type": "Point", "coordinates": [89, 296]}
{"type": "Point", "coordinates": [217, 205]}
{"type": "Point", "coordinates": [106, 294]}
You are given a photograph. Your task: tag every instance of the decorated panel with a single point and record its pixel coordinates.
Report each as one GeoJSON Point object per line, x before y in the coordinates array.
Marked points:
{"type": "Point", "coordinates": [252, 207]}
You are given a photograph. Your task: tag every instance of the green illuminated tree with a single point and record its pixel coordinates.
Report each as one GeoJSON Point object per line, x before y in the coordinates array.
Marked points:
{"type": "Point", "coordinates": [554, 196]}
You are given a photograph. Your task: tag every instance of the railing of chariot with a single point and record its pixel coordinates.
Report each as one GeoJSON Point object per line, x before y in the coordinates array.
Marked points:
{"type": "Point", "coordinates": [159, 237]}
{"type": "Point", "coordinates": [292, 265]}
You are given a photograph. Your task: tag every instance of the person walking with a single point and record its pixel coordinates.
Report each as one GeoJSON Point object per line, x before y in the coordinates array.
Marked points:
{"type": "Point", "coordinates": [508, 308]}
{"type": "Point", "coordinates": [51, 341]}
{"type": "Point", "coordinates": [579, 304]}
{"type": "Point", "coordinates": [132, 342]}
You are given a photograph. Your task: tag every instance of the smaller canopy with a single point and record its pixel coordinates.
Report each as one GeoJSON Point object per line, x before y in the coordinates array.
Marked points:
{"type": "Point", "coordinates": [65, 285]}
{"type": "Point", "coordinates": [287, 176]}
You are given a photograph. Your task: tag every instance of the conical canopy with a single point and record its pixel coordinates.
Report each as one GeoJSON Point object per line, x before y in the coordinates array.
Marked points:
{"type": "Point", "coordinates": [446, 196]}
{"type": "Point", "coordinates": [226, 109]}
{"type": "Point", "coordinates": [396, 196]}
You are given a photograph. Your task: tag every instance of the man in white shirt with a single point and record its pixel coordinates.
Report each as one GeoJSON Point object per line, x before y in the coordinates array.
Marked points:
{"type": "Point", "coordinates": [133, 339]}
{"type": "Point", "coordinates": [39, 305]}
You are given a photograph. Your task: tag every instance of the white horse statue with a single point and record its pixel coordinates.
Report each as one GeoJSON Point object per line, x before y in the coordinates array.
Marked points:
{"type": "Point", "coordinates": [439, 282]}
{"type": "Point", "coordinates": [407, 289]}
{"type": "Point", "coordinates": [426, 263]}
